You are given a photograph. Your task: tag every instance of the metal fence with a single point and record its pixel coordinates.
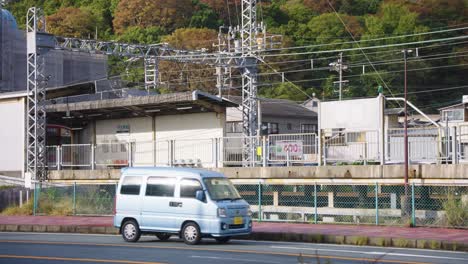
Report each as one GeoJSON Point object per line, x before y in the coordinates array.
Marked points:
{"type": "Point", "coordinates": [345, 146]}
{"type": "Point", "coordinates": [287, 149]}
{"type": "Point", "coordinates": [396, 205]}
{"type": "Point", "coordinates": [76, 199]}
{"type": "Point", "coordinates": [315, 203]}
{"type": "Point", "coordinates": [425, 145]}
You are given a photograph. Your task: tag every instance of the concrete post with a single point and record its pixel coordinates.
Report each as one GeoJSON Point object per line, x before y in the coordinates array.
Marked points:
{"type": "Point", "coordinates": [393, 200]}
{"type": "Point", "coordinates": [275, 199]}
{"type": "Point", "coordinates": [331, 202]}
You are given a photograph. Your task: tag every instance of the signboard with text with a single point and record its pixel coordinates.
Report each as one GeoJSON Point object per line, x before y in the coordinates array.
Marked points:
{"type": "Point", "coordinates": [294, 147]}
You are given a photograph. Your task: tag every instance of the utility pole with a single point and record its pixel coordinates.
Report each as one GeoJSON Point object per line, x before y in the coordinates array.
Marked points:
{"type": "Point", "coordinates": [405, 57]}
{"type": "Point", "coordinates": [339, 67]}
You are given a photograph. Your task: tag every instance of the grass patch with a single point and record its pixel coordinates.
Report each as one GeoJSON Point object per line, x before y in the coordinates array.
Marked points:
{"type": "Point", "coordinates": [6, 187]}
{"type": "Point", "coordinates": [401, 242]}
{"type": "Point", "coordinates": [435, 244]}
{"type": "Point", "coordinates": [456, 212]}
{"type": "Point", "coordinates": [362, 240]}
{"type": "Point", "coordinates": [27, 209]}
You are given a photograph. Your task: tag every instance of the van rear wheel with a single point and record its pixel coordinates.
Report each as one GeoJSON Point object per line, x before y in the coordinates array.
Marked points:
{"type": "Point", "coordinates": [163, 236]}
{"type": "Point", "coordinates": [223, 240]}
{"type": "Point", "coordinates": [131, 231]}
{"type": "Point", "coordinates": [191, 234]}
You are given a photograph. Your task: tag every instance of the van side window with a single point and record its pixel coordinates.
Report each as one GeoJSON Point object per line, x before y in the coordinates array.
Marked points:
{"type": "Point", "coordinates": [131, 185]}
{"type": "Point", "coordinates": [188, 188]}
{"type": "Point", "coordinates": [160, 186]}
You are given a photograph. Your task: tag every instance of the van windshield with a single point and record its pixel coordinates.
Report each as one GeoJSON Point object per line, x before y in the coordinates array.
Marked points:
{"type": "Point", "coordinates": [221, 189]}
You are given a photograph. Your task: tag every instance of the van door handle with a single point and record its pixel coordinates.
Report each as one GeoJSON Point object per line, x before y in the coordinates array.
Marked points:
{"type": "Point", "coordinates": [175, 204]}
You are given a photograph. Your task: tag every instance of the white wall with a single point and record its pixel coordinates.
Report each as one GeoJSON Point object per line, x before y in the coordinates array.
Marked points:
{"type": "Point", "coordinates": [12, 129]}
{"type": "Point", "coordinates": [193, 135]}
{"type": "Point", "coordinates": [359, 114]}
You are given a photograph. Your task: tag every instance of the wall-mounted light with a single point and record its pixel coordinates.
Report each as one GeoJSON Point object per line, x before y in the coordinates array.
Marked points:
{"type": "Point", "coordinates": [184, 108]}
{"type": "Point", "coordinates": [153, 110]}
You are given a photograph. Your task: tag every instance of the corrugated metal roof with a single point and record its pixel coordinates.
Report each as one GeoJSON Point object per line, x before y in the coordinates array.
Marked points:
{"type": "Point", "coordinates": [279, 107]}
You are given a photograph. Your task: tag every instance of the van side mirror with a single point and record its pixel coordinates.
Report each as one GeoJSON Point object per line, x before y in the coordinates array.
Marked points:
{"type": "Point", "coordinates": [200, 195]}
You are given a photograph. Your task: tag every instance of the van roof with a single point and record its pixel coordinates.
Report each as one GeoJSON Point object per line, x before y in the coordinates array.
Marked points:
{"type": "Point", "coordinates": [144, 171]}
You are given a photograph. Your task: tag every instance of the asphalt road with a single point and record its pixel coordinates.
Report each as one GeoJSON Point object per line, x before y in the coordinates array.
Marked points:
{"type": "Point", "coordinates": [77, 248]}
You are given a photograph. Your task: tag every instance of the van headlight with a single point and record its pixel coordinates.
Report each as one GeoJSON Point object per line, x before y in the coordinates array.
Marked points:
{"type": "Point", "coordinates": [249, 212]}
{"type": "Point", "coordinates": [222, 212]}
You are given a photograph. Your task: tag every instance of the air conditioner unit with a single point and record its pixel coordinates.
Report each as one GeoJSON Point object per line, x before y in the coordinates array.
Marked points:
{"type": "Point", "coordinates": [465, 99]}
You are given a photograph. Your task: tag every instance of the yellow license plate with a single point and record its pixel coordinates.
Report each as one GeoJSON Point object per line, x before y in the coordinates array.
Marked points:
{"type": "Point", "coordinates": [238, 220]}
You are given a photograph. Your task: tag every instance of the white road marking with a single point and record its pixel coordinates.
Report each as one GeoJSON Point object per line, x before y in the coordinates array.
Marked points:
{"type": "Point", "coordinates": [238, 259]}
{"type": "Point", "coordinates": [372, 253]}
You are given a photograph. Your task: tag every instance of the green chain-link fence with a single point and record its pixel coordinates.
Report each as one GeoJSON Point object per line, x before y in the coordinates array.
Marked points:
{"type": "Point", "coordinates": [411, 205]}
{"type": "Point", "coordinates": [74, 199]}
{"type": "Point", "coordinates": [376, 204]}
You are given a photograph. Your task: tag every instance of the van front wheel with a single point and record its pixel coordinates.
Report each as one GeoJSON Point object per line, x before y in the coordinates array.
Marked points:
{"type": "Point", "coordinates": [191, 234]}
{"type": "Point", "coordinates": [131, 231]}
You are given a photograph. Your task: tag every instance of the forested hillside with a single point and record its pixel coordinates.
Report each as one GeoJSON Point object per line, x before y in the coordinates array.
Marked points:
{"type": "Point", "coordinates": [436, 72]}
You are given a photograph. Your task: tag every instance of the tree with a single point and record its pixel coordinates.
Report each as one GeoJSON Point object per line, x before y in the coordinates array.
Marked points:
{"type": "Point", "coordinates": [322, 6]}
{"type": "Point", "coordinates": [71, 22]}
{"type": "Point", "coordinates": [141, 13]}
{"type": "Point", "coordinates": [288, 91]}
{"type": "Point", "coordinates": [193, 38]}
{"type": "Point", "coordinates": [328, 28]}
{"type": "Point", "coordinates": [182, 77]}
{"type": "Point", "coordinates": [359, 7]}
{"type": "Point", "coordinates": [204, 16]}
{"type": "Point", "coordinates": [149, 35]}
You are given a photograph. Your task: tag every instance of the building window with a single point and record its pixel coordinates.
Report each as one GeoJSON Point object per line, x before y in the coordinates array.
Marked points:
{"type": "Point", "coordinates": [160, 186]}
{"type": "Point", "coordinates": [453, 115]}
{"type": "Point", "coordinates": [114, 146]}
{"type": "Point", "coordinates": [233, 127]}
{"type": "Point", "coordinates": [314, 104]}
{"type": "Point", "coordinates": [131, 185]}
{"type": "Point", "coordinates": [105, 146]}
{"type": "Point", "coordinates": [272, 127]}
{"type": "Point", "coordinates": [308, 128]}
{"type": "Point", "coordinates": [355, 137]}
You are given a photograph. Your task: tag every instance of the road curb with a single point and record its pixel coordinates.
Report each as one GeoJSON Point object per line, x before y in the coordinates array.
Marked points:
{"type": "Point", "coordinates": [287, 237]}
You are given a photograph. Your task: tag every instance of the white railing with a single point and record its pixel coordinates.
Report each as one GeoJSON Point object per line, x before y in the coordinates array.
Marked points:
{"type": "Point", "coordinates": [112, 154]}
{"type": "Point", "coordinates": [76, 155]}
{"type": "Point", "coordinates": [426, 145]}
{"type": "Point", "coordinates": [351, 146]}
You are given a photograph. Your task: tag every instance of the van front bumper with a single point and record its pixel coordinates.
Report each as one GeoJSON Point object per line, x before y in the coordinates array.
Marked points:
{"type": "Point", "coordinates": [227, 227]}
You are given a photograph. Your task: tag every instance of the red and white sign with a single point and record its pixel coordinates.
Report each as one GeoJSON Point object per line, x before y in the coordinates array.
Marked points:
{"type": "Point", "coordinates": [294, 147]}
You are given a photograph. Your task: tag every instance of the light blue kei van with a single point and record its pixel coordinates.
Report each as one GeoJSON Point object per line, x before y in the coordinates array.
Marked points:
{"type": "Point", "coordinates": [190, 203]}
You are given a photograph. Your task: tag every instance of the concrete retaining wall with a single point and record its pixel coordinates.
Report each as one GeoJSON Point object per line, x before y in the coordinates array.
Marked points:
{"type": "Point", "coordinates": [392, 173]}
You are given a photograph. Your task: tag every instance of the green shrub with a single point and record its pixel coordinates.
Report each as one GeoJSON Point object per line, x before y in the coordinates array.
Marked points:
{"type": "Point", "coordinates": [27, 209]}
{"type": "Point", "coordinates": [456, 212]}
